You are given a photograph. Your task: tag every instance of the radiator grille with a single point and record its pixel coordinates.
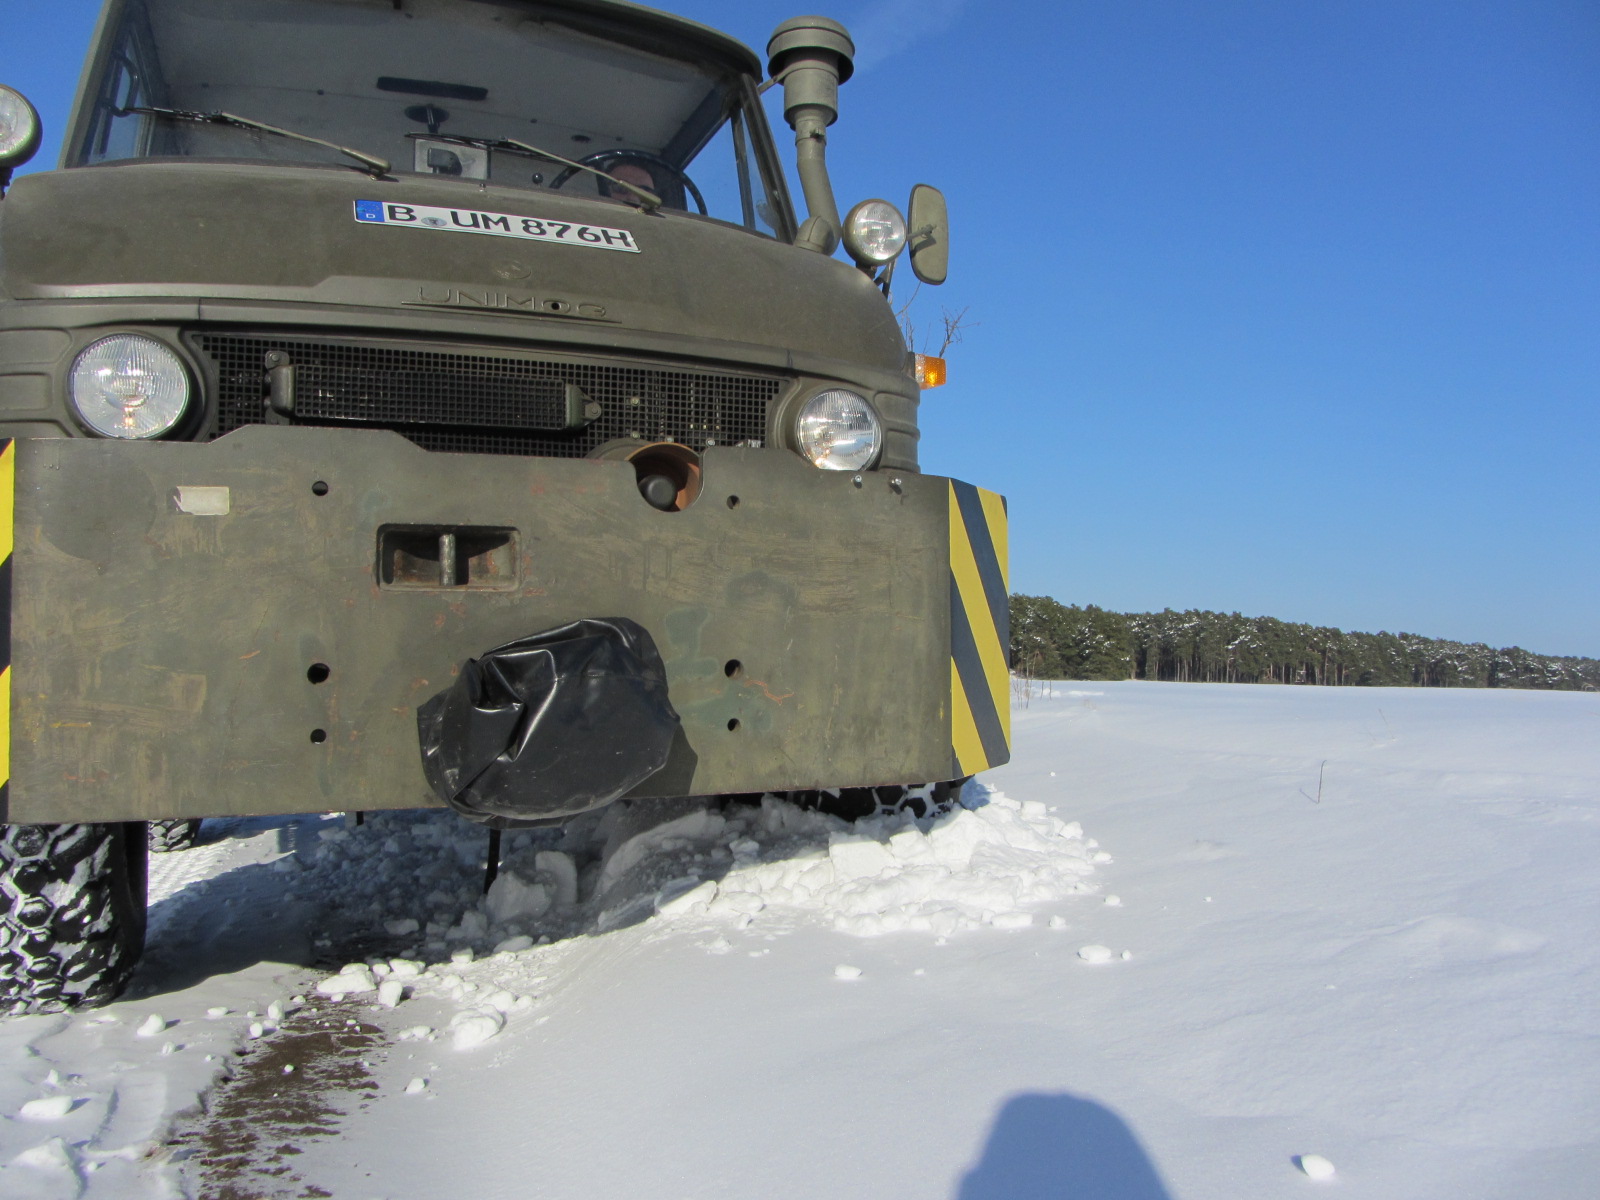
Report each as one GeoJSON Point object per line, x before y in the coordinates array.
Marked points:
{"type": "Point", "coordinates": [484, 403]}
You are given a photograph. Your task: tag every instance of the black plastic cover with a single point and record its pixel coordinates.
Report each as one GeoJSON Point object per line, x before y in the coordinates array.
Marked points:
{"type": "Point", "coordinates": [550, 725]}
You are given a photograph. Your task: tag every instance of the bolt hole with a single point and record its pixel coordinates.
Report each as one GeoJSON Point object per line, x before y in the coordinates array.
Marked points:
{"type": "Point", "coordinates": [318, 672]}
{"type": "Point", "coordinates": [319, 488]}
{"type": "Point", "coordinates": [318, 736]}
{"type": "Point", "coordinates": [733, 724]}
{"type": "Point", "coordinates": [733, 502]}
{"type": "Point", "coordinates": [733, 668]}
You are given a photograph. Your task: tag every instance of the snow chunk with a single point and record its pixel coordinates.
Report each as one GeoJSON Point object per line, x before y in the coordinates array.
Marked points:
{"type": "Point", "coordinates": [858, 858]}
{"type": "Point", "coordinates": [353, 979]}
{"type": "Point", "coordinates": [910, 846]}
{"type": "Point", "coordinates": [46, 1108]}
{"type": "Point", "coordinates": [419, 1084]}
{"type": "Point", "coordinates": [51, 1156]}
{"type": "Point", "coordinates": [700, 825]}
{"type": "Point", "coordinates": [956, 837]}
{"type": "Point", "coordinates": [562, 873]}
{"type": "Point", "coordinates": [402, 926]}
{"type": "Point", "coordinates": [1095, 953]}
{"type": "Point", "coordinates": [846, 971]}
{"type": "Point", "coordinates": [696, 900]}
{"type": "Point", "coordinates": [1315, 1166]}
{"type": "Point", "coordinates": [475, 1026]}
{"type": "Point", "coordinates": [511, 897]}
{"type": "Point", "coordinates": [741, 903]}
{"type": "Point", "coordinates": [1012, 920]}
{"type": "Point", "coordinates": [153, 1024]}
{"type": "Point", "coordinates": [390, 993]}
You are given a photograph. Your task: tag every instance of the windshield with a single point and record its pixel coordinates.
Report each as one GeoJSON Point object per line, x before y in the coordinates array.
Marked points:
{"type": "Point", "coordinates": [438, 87]}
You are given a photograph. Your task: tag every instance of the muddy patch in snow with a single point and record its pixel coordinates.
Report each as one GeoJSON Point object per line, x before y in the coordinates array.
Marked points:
{"type": "Point", "coordinates": [288, 1088]}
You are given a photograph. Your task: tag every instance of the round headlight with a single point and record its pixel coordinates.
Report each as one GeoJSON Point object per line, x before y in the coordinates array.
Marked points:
{"type": "Point", "coordinates": [19, 128]}
{"type": "Point", "coordinates": [874, 231]}
{"type": "Point", "coordinates": [839, 431]}
{"type": "Point", "coordinates": [127, 386]}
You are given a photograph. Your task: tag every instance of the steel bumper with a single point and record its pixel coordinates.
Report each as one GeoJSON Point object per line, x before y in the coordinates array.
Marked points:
{"type": "Point", "coordinates": [247, 626]}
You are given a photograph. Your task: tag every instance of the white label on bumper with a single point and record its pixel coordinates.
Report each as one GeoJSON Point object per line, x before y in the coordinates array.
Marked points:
{"type": "Point", "coordinates": [471, 220]}
{"type": "Point", "coordinates": [202, 501]}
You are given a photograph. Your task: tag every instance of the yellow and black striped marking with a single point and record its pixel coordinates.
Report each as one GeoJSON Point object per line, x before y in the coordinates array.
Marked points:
{"type": "Point", "coordinates": [8, 474]}
{"type": "Point", "coordinates": [980, 631]}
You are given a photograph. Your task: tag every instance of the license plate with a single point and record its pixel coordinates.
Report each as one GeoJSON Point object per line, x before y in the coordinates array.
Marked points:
{"type": "Point", "coordinates": [472, 220]}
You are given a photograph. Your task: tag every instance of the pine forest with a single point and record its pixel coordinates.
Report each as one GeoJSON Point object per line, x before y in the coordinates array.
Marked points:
{"type": "Point", "coordinates": [1050, 640]}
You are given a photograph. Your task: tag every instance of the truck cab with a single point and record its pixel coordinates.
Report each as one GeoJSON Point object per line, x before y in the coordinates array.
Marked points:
{"type": "Point", "coordinates": [359, 352]}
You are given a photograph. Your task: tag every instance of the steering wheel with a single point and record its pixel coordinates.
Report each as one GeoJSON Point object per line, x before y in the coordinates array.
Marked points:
{"type": "Point", "coordinates": [638, 156]}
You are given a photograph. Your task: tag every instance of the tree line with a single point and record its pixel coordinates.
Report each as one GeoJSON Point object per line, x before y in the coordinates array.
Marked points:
{"type": "Point", "coordinates": [1050, 640]}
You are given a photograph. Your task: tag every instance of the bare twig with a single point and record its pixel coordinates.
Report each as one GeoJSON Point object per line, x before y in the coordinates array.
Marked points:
{"type": "Point", "coordinates": [952, 325]}
{"type": "Point", "coordinates": [1317, 799]}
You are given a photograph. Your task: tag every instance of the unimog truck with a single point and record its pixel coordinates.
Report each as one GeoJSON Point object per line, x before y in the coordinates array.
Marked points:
{"type": "Point", "coordinates": [440, 402]}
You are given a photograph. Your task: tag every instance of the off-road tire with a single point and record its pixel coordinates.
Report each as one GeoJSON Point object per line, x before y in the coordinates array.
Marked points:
{"type": "Point", "coordinates": [856, 803]}
{"type": "Point", "coordinates": [72, 914]}
{"type": "Point", "coordinates": [166, 836]}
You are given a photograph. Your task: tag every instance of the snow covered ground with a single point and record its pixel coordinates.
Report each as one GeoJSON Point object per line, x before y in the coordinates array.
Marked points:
{"type": "Point", "coordinates": [1198, 942]}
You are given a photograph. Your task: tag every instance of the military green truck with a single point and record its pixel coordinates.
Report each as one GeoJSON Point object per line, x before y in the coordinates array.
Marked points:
{"type": "Point", "coordinates": [424, 402]}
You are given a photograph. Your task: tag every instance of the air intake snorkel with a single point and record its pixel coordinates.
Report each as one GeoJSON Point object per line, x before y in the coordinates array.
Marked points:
{"type": "Point", "coordinates": [812, 56]}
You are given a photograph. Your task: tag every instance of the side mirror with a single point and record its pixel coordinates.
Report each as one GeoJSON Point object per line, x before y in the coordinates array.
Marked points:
{"type": "Point", "coordinates": [929, 234]}
{"type": "Point", "coordinates": [19, 132]}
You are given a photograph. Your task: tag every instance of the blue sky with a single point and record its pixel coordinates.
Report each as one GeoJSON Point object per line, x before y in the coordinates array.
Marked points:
{"type": "Point", "coordinates": [1287, 307]}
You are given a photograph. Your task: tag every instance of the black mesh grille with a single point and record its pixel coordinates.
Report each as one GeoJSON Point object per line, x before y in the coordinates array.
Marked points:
{"type": "Point", "coordinates": [429, 393]}
{"type": "Point", "coordinates": [484, 403]}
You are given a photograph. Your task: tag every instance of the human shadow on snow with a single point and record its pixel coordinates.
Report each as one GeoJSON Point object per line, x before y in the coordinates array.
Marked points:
{"type": "Point", "coordinates": [1056, 1146]}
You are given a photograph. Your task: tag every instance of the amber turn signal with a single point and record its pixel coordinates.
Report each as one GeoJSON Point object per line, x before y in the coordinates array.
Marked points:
{"type": "Point", "coordinates": [930, 371]}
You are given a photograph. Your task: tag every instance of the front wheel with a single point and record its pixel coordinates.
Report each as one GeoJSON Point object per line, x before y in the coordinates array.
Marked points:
{"type": "Point", "coordinates": [72, 914]}
{"type": "Point", "coordinates": [856, 803]}
{"type": "Point", "coordinates": [166, 836]}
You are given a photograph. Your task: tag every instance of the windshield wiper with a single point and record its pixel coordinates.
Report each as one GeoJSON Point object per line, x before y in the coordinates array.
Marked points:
{"type": "Point", "coordinates": [378, 167]}
{"type": "Point", "coordinates": [650, 200]}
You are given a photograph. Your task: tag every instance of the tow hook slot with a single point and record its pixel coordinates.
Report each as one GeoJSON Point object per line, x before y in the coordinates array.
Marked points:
{"type": "Point", "coordinates": [459, 557]}
{"type": "Point", "coordinates": [668, 473]}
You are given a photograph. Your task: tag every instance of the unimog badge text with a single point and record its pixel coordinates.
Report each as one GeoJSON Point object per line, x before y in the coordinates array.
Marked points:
{"type": "Point", "coordinates": [444, 296]}
{"type": "Point", "coordinates": [469, 220]}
